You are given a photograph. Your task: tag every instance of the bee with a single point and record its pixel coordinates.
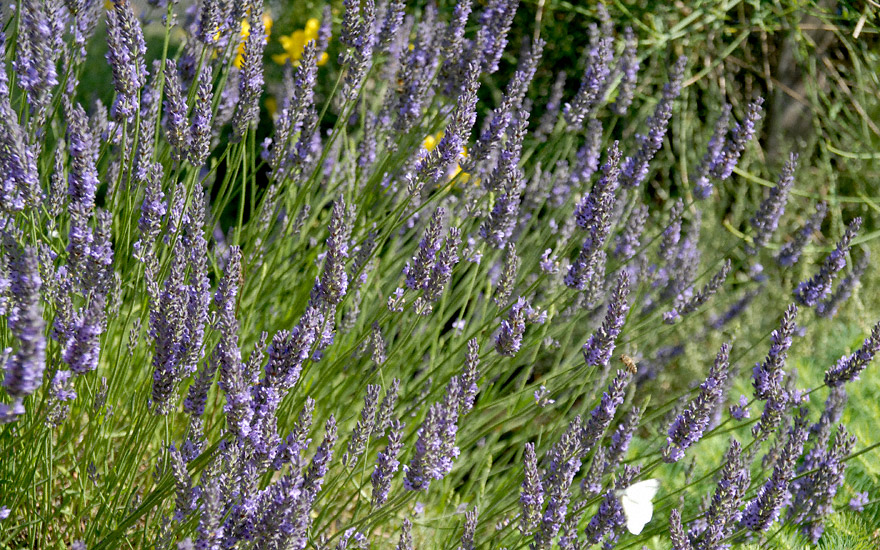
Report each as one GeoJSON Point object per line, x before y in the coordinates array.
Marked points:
{"type": "Point", "coordinates": [629, 363]}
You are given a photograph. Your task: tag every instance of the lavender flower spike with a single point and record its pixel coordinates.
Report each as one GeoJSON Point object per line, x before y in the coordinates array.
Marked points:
{"type": "Point", "coordinates": [734, 146]}
{"type": "Point", "coordinates": [593, 85]}
{"type": "Point", "coordinates": [762, 511]}
{"type": "Point", "coordinates": [849, 367]}
{"type": "Point", "coordinates": [531, 496]}
{"type": "Point", "coordinates": [791, 251]}
{"type": "Point", "coordinates": [689, 426]}
{"type": "Point", "coordinates": [684, 306]}
{"type": "Point", "coordinates": [509, 338]}
{"type": "Point", "coordinates": [844, 289]}
{"type": "Point", "coordinates": [603, 413]}
{"type": "Point", "coordinates": [435, 443]}
{"type": "Point", "coordinates": [176, 130]}
{"type": "Point", "coordinates": [250, 83]}
{"type": "Point", "coordinates": [386, 465]}
{"type": "Point", "coordinates": [200, 129]}
{"type": "Point", "coordinates": [24, 369]}
{"type": "Point", "coordinates": [563, 462]}
{"type": "Point", "coordinates": [628, 67]}
{"type": "Point", "coordinates": [815, 289]}
{"type": "Point", "coordinates": [418, 271]}
{"type": "Point", "coordinates": [126, 52]}
{"type": "Point", "coordinates": [723, 513]}
{"type": "Point", "coordinates": [767, 376]}
{"type": "Point", "coordinates": [766, 219]}
{"type": "Point", "coordinates": [635, 169]}
{"type": "Point", "coordinates": [702, 183]}
{"type": "Point", "coordinates": [599, 347]}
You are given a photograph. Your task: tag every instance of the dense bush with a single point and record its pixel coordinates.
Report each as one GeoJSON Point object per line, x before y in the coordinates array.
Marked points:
{"type": "Point", "coordinates": [371, 279]}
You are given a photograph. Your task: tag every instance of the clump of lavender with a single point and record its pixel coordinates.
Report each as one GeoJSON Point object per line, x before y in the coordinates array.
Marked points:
{"type": "Point", "coordinates": [690, 425]}
{"type": "Point", "coordinates": [702, 183]}
{"type": "Point", "coordinates": [818, 287]}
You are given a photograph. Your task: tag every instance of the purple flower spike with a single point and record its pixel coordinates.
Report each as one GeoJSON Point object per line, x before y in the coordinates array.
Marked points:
{"type": "Point", "coordinates": [598, 349]}
{"type": "Point", "coordinates": [689, 426]}
{"type": "Point", "coordinates": [790, 252]}
{"type": "Point", "coordinates": [635, 169]}
{"type": "Point", "coordinates": [817, 288]}
{"type": "Point", "coordinates": [766, 220]}
{"type": "Point", "coordinates": [849, 367]}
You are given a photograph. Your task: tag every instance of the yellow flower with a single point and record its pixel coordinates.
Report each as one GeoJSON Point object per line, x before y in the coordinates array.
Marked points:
{"type": "Point", "coordinates": [271, 105]}
{"type": "Point", "coordinates": [246, 32]}
{"type": "Point", "coordinates": [431, 141]}
{"type": "Point", "coordinates": [295, 42]}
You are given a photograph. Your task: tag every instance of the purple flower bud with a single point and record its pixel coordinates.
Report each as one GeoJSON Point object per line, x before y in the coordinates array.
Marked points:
{"type": "Point", "coordinates": [740, 411]}
{"type": "Point", "coordinates": [858, 502]}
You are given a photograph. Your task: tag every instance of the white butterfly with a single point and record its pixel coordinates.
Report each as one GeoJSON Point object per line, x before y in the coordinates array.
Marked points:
{"type": "Point", "coordinates": [636, 502]}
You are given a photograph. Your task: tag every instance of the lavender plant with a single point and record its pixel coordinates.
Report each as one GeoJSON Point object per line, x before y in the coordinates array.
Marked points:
{"type": "Point", "coordinates": [289, 300]}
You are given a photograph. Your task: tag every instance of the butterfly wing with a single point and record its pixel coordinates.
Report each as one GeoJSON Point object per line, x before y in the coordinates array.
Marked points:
{"type": "Point", "coordinates": [637, 506]}
{"type": "Point", "coordinates": [638, 513]}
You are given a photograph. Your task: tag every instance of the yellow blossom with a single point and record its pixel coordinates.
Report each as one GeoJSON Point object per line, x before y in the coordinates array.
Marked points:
{"type": "Point", "coordinates": [431, 141]}
{"type": "Point", "coordinates": [246, 32]}
{"type": "Point", "coordinates": [294, 43]}
{"type": "Point", "coordinates": [271, 105]}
